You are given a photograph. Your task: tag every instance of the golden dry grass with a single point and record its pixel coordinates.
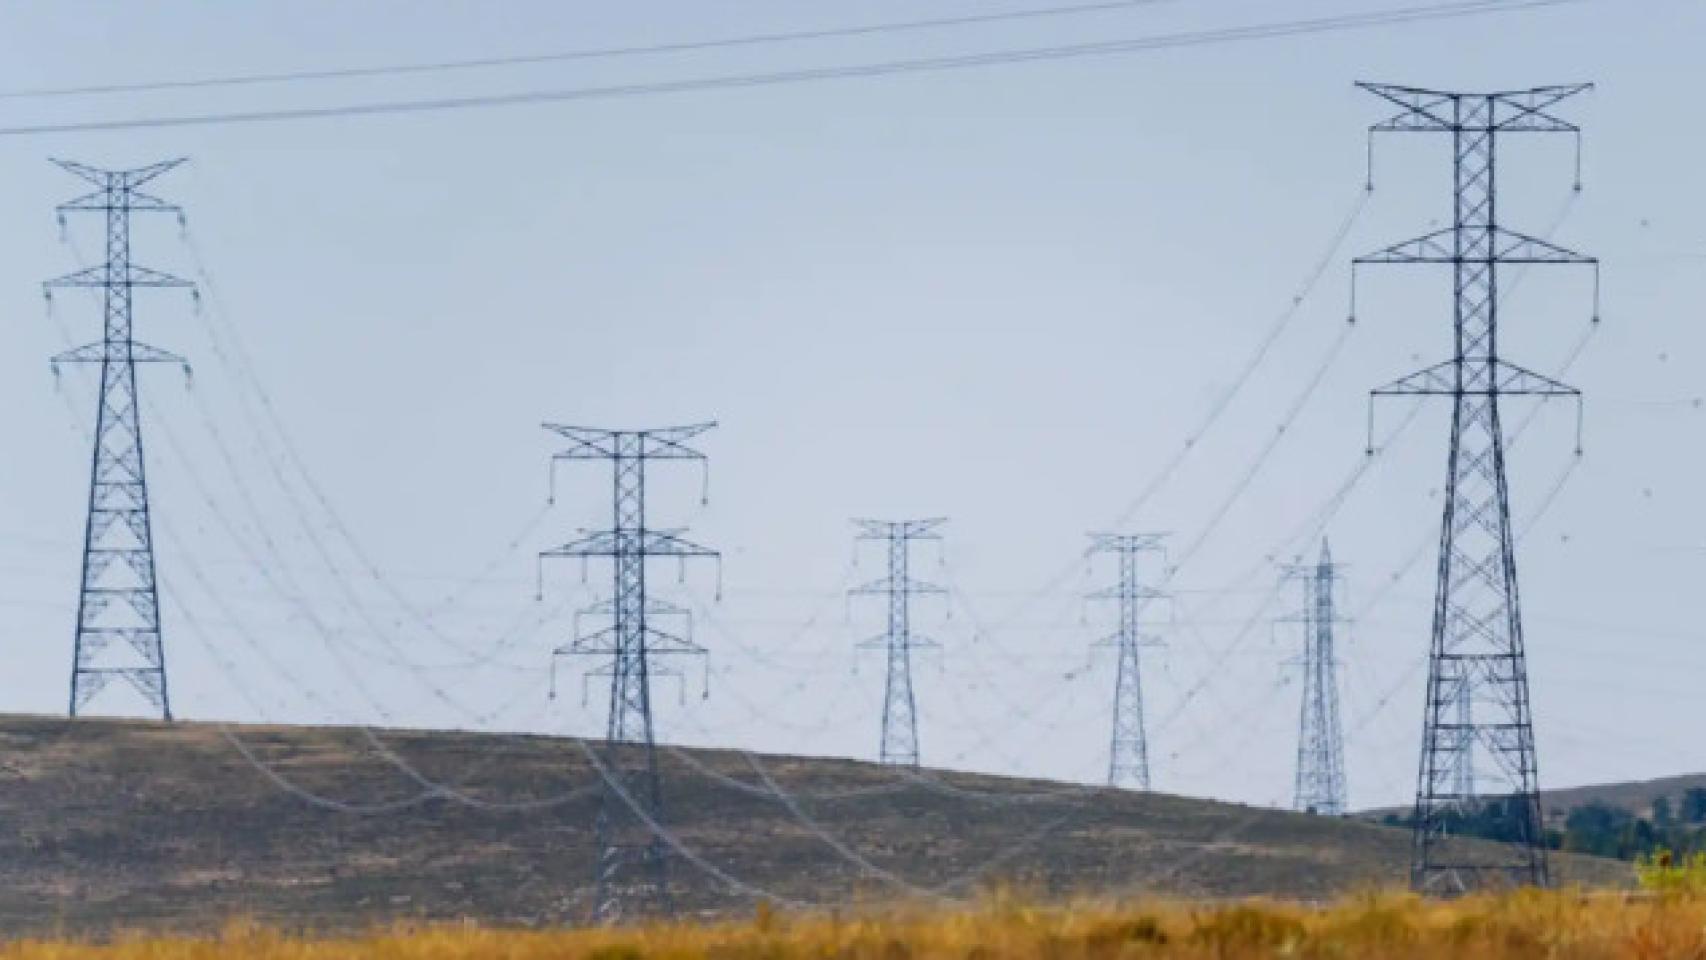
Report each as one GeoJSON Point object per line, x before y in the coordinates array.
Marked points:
{"type": "Point", "coordinates": [1562, 925]}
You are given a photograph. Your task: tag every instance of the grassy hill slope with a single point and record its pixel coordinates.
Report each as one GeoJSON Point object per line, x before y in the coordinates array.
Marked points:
{"type": "Point", "coordinates": [107, 824]}
{"type": "Point", "coordinates": [1635, 796]}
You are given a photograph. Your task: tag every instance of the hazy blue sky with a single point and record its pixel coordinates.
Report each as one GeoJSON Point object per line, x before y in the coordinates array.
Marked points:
{"type": "Point", "coordinates": [1005, 295]}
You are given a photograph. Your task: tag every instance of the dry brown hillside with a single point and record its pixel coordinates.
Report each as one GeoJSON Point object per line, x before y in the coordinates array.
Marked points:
{"type": "Point", "coordinates": [121, 824]}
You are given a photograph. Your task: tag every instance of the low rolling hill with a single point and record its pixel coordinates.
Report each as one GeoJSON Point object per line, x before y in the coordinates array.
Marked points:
{"type": "Point", "coordinates": [116, 824]}
{"type": "Point", "coordinates": [1635, 797]}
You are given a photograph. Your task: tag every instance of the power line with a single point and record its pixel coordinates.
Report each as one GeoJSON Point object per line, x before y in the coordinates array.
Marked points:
{"type": "Point", "coordinates": [1170, 41]}
{"type": "Point", "coordinates": [597, 53]}
{"type": "Point", "coordinates": [263, 418]}
{"type": "Point", "coordinates": [1263, 348]}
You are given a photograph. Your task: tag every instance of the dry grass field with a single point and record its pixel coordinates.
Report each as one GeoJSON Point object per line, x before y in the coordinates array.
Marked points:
{"type": "Point", "coordinates": [1562, 925]}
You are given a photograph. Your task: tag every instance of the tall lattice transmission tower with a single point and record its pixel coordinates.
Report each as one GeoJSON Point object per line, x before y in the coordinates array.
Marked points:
{"type": "Point", "coordinates": [900, 705]}
{"type": "Point", "coordinates": [117, 635]}
{"type": "Point", "coordinates": [1320, 784]}
{"type": "Point", "coordinates": [1477, 757]}
{"type": "Point", "coordinates": [631, 872]}
{"type": "Point", "coordinates": [1128, 745]}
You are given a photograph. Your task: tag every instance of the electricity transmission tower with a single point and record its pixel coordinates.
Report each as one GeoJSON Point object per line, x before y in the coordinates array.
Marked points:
{"type": "Point", "coordinates": [900, 708]}
{"type": "Point", "coordinates": [1478, 733]}
{"type": "Point", "coordinates": [631, 864]}
{"type": "Point", "coordinates": [1320, 786]}
{"type": "Point", "coordinates": [118, 635]}
{"type": "Point", "coordinates": [1128, 747]}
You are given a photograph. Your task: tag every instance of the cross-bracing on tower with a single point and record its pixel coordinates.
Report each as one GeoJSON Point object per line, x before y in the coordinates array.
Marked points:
{"type": "Point", "coordinates": [1320, 784]}
{"type": "Point", "coordinates": [1478, 756]}
{"type": "Point", "coordinates": [118, 634]}
{"type": "Point", "coordinates": [1128, 745]}
{"type": "Point", "coordinates": [900, 705]}
{"type": "Point", "coordinates": [631, 868]}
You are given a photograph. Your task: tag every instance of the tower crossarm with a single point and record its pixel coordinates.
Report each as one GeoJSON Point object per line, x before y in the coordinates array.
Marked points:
{"type": "Point", "coordinates": [662, 443]}
{"type": "Point", "coordinates": [1486, 378]}
{"type": "Point", "coordinates": [613, 543]}
{"type": "Point", "coordinates": [925, 529]}
{"type": "Point", "coordinates": [1117, 640]}
{"type": "Point", "coordinates": [1507, 379]}
{"type": "Point", "coordinates": [1140, 594]}
{"type": "Point", "coordinates": [1117, 542]}
{"type": "Point", "coordinates": [1501, 245]}
{"type": "Point", "coordinates": [654, 608]}
{"type": "Point", "coordinates": [134, 201]}
{"type": "Point", "coordinates": [117, 352]}
{"type": "Point", "coordinates": [1516, 111]}
{"type": "Point", "coordinates": [912, 641]}
{"type": "Point", "coordinates": [101, 276]}
{"type": "Point", "coordinates": [887, 585]}
{"type": "Point", "coordinates": [606, 641]}
{"type": "Point", "coordinates": [118, 178]}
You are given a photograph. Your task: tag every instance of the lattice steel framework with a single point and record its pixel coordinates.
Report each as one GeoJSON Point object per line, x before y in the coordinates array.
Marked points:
{"type": "Point", "coordinates": [631, 873]}
{"type": "Point", "coordinates": [1478, 734]}
{"type": "Point", "coordinates": [1128, 744]}
{"type": "Point", "coordinates": [900, 706]}
{"type": "Point", "coordinates": [117, 634]}
{"type": "Point", "coordinates": [1320, 783]}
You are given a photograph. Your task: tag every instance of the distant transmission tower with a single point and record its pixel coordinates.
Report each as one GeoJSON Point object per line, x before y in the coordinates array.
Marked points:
{"type": "Point", "coordinates": [1320, 786]}
{"type": "Point", "coordinates": [1128, 747]}
{"type": "Point", "coordinates": [900, 707]}
{"type": "Point", "coordinates": [1477, 733]}
{"type": "Point", "coordinates": [117, 636]}
{"type": "Point", "coordinates": [631, 851]}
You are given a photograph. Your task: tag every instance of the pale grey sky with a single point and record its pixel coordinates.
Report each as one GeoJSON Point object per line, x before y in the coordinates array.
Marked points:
{"type": "Point", "coordinates": [1004, 295]}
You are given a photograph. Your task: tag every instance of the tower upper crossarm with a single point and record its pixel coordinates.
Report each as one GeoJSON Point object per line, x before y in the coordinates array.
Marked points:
{"type": "Point", "coordinates": [664, 443]}
{"type": "Point", "coordinates": [1513, 111]}
{"type": "Point", "coordinates": [118, 178]}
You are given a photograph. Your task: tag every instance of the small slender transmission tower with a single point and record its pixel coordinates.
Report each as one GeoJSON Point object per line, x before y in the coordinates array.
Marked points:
{"type": "Point", "coordinates": [118, 635]}
{"type": "Point", "coordinates": [632, 863]}
{"type": "Point", "coordinates": [1478, 732]}
{"type": "Point", "coordinates": [900, 707]}
{"type": "Point", "coordinates": [1320, 786]}
{"type": "Point", "coordinates": [1128, 746]}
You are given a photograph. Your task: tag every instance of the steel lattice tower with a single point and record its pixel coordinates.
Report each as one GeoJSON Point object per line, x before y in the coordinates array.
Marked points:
{"type": "Point", "coordinates": [1320, 785]}
{"type": "Point", "coordinates": [900, 707]}
{"type": "Point", "coordinates": [1477, 732]}
{"type": "Point", "coordinates": [632, 855]}
{"type": "Point", "coordinates": [1128, 746]}
{"type": "Point", "coordinates": [117, 635]}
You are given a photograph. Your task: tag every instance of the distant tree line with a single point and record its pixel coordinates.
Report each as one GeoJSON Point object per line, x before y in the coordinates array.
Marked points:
{"type": "Point", "coordinates": [1596, 827]}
